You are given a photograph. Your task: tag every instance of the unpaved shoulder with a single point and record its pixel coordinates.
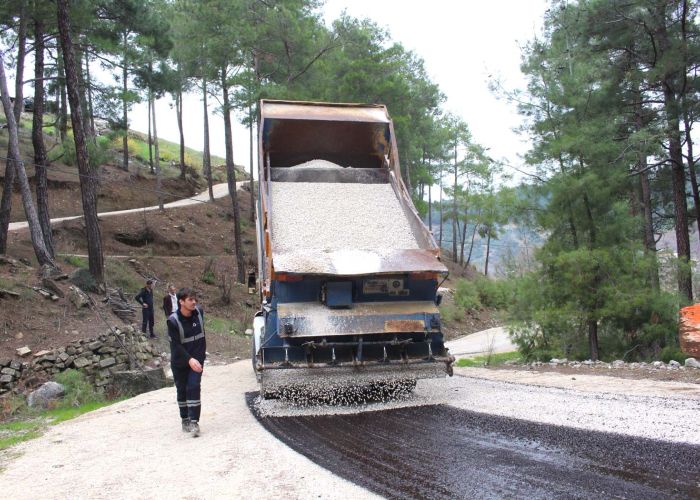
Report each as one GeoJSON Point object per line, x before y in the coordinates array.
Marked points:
{"type": "Point", "coordinates": [136, 449]}
{"type": "Point", "coordinates": [588, 383]}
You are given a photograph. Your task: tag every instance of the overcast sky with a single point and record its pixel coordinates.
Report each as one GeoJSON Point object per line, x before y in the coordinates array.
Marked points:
{"type": "Point", "coordinates": [461, 42]}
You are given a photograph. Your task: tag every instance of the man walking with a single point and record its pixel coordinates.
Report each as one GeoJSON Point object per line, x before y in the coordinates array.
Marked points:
{"type": "Point", "coordinates": [145, 298]}
{"type": "Point", "coordinates": [188, 349]}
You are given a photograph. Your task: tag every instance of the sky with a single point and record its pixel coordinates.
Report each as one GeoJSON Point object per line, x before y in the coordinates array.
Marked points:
{"type": "Point", "coordinates": [463, 43]}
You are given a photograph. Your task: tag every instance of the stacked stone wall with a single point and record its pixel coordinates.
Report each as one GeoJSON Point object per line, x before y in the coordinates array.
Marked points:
{"type": "Point", "coordinates": [98, 358]}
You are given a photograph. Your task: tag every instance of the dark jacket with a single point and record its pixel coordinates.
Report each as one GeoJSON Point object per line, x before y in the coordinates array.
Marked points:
{"type": "Point", "coordinates": [167, 305]}
{"type": "Point", "coordinates": [145, 296]}
{"type": "Point", "coordinates": [188, 343]}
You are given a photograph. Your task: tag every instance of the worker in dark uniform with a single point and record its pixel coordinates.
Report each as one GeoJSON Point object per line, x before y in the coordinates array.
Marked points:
{"type": "Point", "coordinates": [188, 349]}
{"type": "Point", "coordinates": [145, 298]}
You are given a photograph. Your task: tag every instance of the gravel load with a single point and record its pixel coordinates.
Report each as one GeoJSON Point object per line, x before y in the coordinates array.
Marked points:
{"type": "Point", "coordinates": [318, 164]}
{"type": "Point", "coordinates": [338, 217]}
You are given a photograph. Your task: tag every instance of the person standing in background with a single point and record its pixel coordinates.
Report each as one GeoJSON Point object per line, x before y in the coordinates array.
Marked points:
{"type": "Point", "coordinates": [170, 301]}
{"type": "Point", "coordinates": [145, 298]}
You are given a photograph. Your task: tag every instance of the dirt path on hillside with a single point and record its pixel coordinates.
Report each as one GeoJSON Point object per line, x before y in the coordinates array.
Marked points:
{"type": "Point", "coordinates": [219, 190]}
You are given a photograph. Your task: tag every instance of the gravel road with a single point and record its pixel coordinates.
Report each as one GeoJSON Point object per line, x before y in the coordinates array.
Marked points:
{"type": "Point", "coordinates": [482, 432]}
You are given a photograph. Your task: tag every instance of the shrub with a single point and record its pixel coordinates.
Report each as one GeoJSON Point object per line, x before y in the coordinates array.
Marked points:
{"type": "Point", "coordinates": [467, 295]}
{"type": "Point", "coordinates": [98, 152]}
{"type": "Point", "coordinates": [672, 352]}
{"type": "Point", "coordinates": [79, 391]}
{"type": "Point", "coordinates": [208, 275]}
{"type": "Point", "coordinates": [76, 261]}
{"type": "Point", "coordinates": [84, 280]}
{"type": "Point", "coordinates": [451, 313]}
{"type": "Point", "coordinates": [494, 293]}
{"type": "Point", "coordinates": [119, 275]}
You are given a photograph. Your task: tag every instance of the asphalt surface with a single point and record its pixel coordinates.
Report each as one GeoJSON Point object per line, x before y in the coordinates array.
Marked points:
{"type": "Point", "coordinates": [445, 452]}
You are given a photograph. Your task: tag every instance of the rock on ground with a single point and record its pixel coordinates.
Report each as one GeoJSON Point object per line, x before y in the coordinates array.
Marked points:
{"type": "Point", "coordinates": [49, 391]}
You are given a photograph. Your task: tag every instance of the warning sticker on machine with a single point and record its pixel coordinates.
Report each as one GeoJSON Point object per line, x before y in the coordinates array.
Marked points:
{"type": "Point", "coordinates": [393, 286]}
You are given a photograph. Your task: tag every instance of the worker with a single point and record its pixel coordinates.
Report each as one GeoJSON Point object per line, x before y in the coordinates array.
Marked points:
{"type": "Point", "coordinates": [145, 298]}
{"type": "Point", "coordinates": [188, 348]}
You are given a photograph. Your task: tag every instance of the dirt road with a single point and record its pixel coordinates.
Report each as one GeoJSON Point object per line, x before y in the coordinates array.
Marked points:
{"type": "Point", "coordinates": [492, 341]}
{"type": "Point", "coordinates": [480, 433]}
{"type": "Point", "coordinates": [219, 191]}
{"type": "Point", "coordinates": [136, 449]}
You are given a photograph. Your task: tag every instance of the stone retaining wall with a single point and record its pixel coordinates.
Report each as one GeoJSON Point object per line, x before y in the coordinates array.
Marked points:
{"type": "Point", "coordinates": [98, 358]}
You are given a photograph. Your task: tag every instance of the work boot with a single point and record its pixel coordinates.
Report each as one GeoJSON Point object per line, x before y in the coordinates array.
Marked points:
{"type": "Point", "coordinates": [186, 425]}
{"type": "Point", "coordinates": [194, 428]}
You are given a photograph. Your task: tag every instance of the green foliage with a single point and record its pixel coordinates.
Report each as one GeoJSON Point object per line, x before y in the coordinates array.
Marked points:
{"type": "Point", "coordinates": [98, 152]}
{"type": "Point", "coordinates": [84, 280]}
{"type": "Point", "coordinates": [76, 261]}
{"type": "Point", "coordinates": [467, 295]}
{"type": "Point", "coordinates": [494, 293]}
{"type": "Point", "coordinates": [451, 313]}
{"type": "Point", "coordinates": [119, 274]}
{"type": "Point", "coordinates": [670, 352]}
{"type": "Point", "coordinates": [79, 390]}
{"type": "Point", "coordinates": [225, 326]}
{"type": "Point", "coordinates": [29, 424]}
{"type": "Point", "coordinates": [494, 359]}
{"type": "Point", "coordinates": [209, 277]}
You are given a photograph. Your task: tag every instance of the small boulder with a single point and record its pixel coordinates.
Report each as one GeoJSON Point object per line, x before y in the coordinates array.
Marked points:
{"type": "Point", "coordinates": [692, 363]}
{"type": "Point", "coordinates": [674, 364]}
{"type": "Point", "coordinates": [49, 391]}
{"type": "Point", "coordinates": [78, 298]}
{"type": "Point", "coordinates": [23, 351]}
{"type": "Point", "coordinates": [658, 364]}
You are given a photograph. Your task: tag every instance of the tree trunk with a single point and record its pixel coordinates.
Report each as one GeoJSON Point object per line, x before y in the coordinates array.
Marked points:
{"type": "Point", "coordinates": [440, 242]}
{"type": "Point", "coordinates": [42, 254]}
{"type": "Point", "coordinates": [88, 178]}
{"type": "Point", "coordinates": [63, 107]}
{"type": "Point", "coordinates": [461, 242]}
{"type": "Point", "coordinates": [151, 167]}
{"type": "Point", "coordinates": [178, 108]}
{"type": "Point", "coordinates": [156, 149]}
{"type": "Point", "coordinates": [125, 111]}
{"type": "Point", "coordinates": [669, 83]}
{"type": "Point", "coordinates": [40, 163]}
{"type": "Point", "coordinates": [471, 246]}
{"type": "Point", "coordinates": [488, 251]}
{"type": "Point", "coordinates": [88, 92]}
{"type": "Point", "coordinates": [10, 174]}
{"type": "Point", "coordinates": [454, 212]}
{"type": "Point", "coordinates": [252, 181]}
{"type": "Point", "coordinates": [593, 338]}
{"type": "Point", "coordinates": [231, 178]}
{"type": "Point", "coordinates": [206, 155]}
{"type": "Point", "coordinates": [685, 284]}
{"type": "Point", "coordinates": [430, 209]}
{"type": "Point", "coordinates": [691, 167]}
{"type": "Point", "coordinates": [81, 93]}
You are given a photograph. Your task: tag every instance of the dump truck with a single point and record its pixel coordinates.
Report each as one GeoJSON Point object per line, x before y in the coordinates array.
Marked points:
{"type": "Point", "coordinates": [348, 274]}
